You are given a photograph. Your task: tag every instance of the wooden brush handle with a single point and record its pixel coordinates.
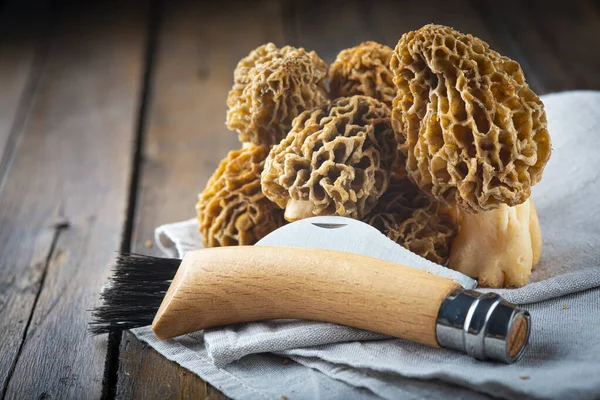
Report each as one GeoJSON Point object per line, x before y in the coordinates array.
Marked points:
{"type": "Point", "coordinates": [225, 285]}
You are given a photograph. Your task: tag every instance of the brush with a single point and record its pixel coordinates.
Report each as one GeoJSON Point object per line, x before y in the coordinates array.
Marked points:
{"type": "Point", "coordinates": [134, 292]}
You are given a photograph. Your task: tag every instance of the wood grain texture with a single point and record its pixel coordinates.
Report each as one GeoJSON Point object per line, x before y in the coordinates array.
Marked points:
{"type": "Point", "coordinates": [255, 283]}
{"type": "Point", "coordinates": [139, 364]}
{"type": "Point", "coordinates": [64, 201]}
{"type": "Point", "coordinates": [15, 66]}
{"type": "Point", "coordinates": [20, 38]}
{"type": "Point", "coordinates": [199, 46]}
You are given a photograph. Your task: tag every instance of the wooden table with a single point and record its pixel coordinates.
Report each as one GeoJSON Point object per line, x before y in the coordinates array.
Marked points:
{"type": "Point", "coordinates": [112, 119]}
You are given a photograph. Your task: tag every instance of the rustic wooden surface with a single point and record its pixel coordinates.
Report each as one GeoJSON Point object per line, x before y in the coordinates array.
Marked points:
{"type": "Point", "coordinates": [112, 119]}
{"type": "Point", "coordinates": [64, 200]}
{"type": "Point", "coordinates": [19, 72]}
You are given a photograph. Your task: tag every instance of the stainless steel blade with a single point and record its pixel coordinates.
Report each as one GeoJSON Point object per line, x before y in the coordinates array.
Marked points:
{"type": "Point", "coordinates": [353, 236]}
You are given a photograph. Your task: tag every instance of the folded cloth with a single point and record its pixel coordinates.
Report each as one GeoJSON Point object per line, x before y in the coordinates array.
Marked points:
{"type": "Point", "coordinates": [332, 361]}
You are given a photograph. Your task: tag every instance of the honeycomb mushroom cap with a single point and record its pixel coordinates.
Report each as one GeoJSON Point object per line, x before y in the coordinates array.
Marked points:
{"type": "Point", "coordinates": [415, 221]}
{"type": "Point", "coordinates": [260, 55]}
{"type": "Point", "coordinates": [336, 160]}
{"type": "Point", "coordinates": [473, 131]}
{"type": "Point", "coordinates": [232, 209]}
{"type": "Point", "coordinates": [363, 70]}
{"type": "Point", "coordinates": [271, 87]}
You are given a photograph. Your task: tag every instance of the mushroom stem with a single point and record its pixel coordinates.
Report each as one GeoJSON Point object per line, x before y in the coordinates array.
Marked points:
{"type": "Point", "coordinates": [298, 209]}
{"type": "Point", "coordinates": [536, 234]}
{"type": "Point", "coordinates": [498, 247]}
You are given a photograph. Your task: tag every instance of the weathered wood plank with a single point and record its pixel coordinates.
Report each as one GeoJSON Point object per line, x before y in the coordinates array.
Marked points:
{"type": "Point", "coordinates": [15, 66]}
{"type": "Point", "coordinates": [18, 43]}
{"type": "Point", "coordinates": [198, 47]}
{"type": "Point", "coordinates": [20, 33]}
{"type": "Point", "coordinates": [139, 366]}
{"type": "Point", "coordinates": [64, 200]}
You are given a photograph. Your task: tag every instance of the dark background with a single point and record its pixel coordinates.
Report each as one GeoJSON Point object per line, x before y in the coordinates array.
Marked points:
{"type": "Point", "coordinates": [112, 119]}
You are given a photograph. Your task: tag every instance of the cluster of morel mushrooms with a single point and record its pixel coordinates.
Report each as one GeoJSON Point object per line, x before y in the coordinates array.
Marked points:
{"type": "Point", "coordinates": [436, 144]}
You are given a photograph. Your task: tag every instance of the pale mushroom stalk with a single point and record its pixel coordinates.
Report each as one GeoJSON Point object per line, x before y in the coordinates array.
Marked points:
{"type": "Point", "coordinates": [500, 247]}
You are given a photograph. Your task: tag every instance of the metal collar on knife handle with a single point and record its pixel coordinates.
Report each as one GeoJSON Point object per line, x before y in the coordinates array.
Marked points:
{"type": "Point", "coordinates": [485, 326]}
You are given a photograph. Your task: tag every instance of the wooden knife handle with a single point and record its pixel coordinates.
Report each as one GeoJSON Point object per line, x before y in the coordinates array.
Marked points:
{"type": "Point", "coordinates": [220, 286]}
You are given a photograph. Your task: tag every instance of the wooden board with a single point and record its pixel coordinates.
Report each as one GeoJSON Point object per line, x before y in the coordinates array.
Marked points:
{"type": "Point", "coordinates": [20, 33]}
{"type": "Point", "coordinates": [63, 204]}
{"type": "Point", "coordinates": [199, 46]}
{"type": "Point", "coordinates": [146, 374]}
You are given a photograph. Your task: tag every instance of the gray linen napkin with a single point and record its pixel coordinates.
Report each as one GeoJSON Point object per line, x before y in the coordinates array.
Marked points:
{"type": "Point", "coordinates": [332, 361]}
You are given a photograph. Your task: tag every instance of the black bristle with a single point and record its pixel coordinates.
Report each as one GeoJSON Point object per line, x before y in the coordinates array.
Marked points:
{"type": "Point", "coordinates": [133, 293]}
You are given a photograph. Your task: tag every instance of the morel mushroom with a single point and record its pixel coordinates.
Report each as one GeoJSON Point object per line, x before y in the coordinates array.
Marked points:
{"type": "Point", "coordinates": [363, 70]}
{"type": "Point", "coordinates": [260, 55]}
{"type": "Point", "coordinates": [271, 87]}
{"type": "Point", "coordinates": [512, 240]}
{"type": "Point", "coordinates": [336, 160]}
{"type": "Point", "coordinates": [232, 209]}
{"type": "Point", "coordinates": [472, 130]}
{"type": "Point", "coordinates": [413, 220]}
